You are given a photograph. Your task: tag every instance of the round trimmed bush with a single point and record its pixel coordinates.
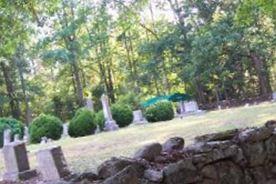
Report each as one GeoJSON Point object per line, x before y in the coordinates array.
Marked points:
{"type": "Point", "coordinates": [162, 111]}
{"type": "Point", "coordinates": [83, 123]}
{"type": "Point", "coordinates": [45, 126]}
{"type": "Point", "coordinates": [14, 125]}
{"type": "Point", "coordinates": [122, 114]}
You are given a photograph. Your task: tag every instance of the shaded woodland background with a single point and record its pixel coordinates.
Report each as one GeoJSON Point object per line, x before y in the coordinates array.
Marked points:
{"type": "Point", "coordinates": [56, 53]}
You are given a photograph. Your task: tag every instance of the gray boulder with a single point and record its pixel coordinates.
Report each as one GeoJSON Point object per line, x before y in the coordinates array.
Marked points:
{"type": "Point", "coordinates": [126, 176]}
{"type": "Point", "coordinates": [149, 152]}
{"type": "Point", "coordinates": [115, 165]}
{"type": "Point", "coordinates": [174, 143]}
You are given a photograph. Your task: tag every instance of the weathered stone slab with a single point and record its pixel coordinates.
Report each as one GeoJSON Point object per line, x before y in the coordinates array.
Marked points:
{"type": "Point", "coordinates": [138, 117]}
{"type": "Point", "coordinates": [110, 123]}
{"type": "Point", "coordinates": [52, 164]}
{"type": "Point", "coordinates": [6, 137]}
{"type": "Point", "coordinates": [16, 162]}
{"type": "Point", "coordinates": [65, 130]}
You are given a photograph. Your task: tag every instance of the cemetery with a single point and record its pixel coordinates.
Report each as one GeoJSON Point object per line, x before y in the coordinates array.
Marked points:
{"type": "Point", "coordinates": [137, 92]}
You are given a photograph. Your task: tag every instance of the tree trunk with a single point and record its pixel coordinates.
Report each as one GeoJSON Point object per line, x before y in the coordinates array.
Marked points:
{"type": "Point", "coordinates": [79, 89]}
{"type": "Point", "coordinates": [262, 73]}
{"type": "Point", "coordinates": [28, 112]}
{"type": "Point", "coordinates": [200, 93]}
{"type": "Point", "coordinates": [14, 104]}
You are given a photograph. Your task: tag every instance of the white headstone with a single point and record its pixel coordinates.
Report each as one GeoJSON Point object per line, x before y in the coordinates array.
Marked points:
{"type": "Point", "coordinates": [16, 162]}
{"type": "Point", "coordinates": [26, 136]}
{"type": "Point", "coordinates": [65, 130]}
{"type": "Point", "coordinates": [43, 140]}
{"type": "Point", "coordinates": [52, 164]}
{"type": "Point", "coordinates": [89, 104]}
{"type": "Point", "coordinates": [110, 124]}
{"type": "Point", "coordinates": [138, 117]}
{"type": "Point", "coordinates": [191, 106]}
{"type": "Point", "coordinates": [16, 138]}
{"type": "Point", "coordinates": [98, 130]}
{"type": "Point", "coordinates": [7, 137]}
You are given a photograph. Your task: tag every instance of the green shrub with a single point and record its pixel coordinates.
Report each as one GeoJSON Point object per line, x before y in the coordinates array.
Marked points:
{"type": "Point", "coordinates": [83, 123]}
{"type": "Point", "coordinates": [99, 119]}
{"type": "Point", "coordinates": [14, 125]}
{"type": "Point", "coordinates": [45, 126]}
{"type": "Point", "coordinates": [122, 114]}
{"type": "Point", "coordinates": [161, 111]}
{"type": "Point", "coordinates": [131, 99]}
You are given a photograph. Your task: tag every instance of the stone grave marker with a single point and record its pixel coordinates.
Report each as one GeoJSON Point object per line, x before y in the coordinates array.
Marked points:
{"type": "Point", "coordinates": [182, 107]}
{"type": "Point", "coordinates": [26, 136]}
{"type": "Point", "coordinates": [16, 162]}
{"type": "Point", "coordinates": [89, 104]}
{"type": "Point", "coordinates": [52, 164]}
{"type": "Point", "coordinates": [43, 140]}
{"type": "Point", "coordinates": [191, 106]}
{"type": "Point", "coordinates": [16, 138]}
{"type": "Point", "coordinates": [98, 130]}
{"type": "Point", "coordinates": [65, 130]}
{"type": "Point", "coordinates": [6, 137]}
{"type": "Point", "coordinates": [110, 124]}
{"type": "Point", "coordinates": [138, 117]}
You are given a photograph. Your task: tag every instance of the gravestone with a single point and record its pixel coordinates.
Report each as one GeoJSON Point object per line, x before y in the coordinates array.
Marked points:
{"type": "Point", "coordinates": [138, 117]}
{"type": "Point", "coordinates": [98, 130]}
{"type": "Point", "coordinates": [182, 107]}
{"type": "Point", "coordinates": [6, 137]}
{"type": "Point", "coordinates": [26, 136]}
{"type": "Point", "coordinates": [16, 138]}
{"type": "Point", "coordinates": [274, 96]}
{"type": "Point", "coordinates": [110, 124]}
{"type": "Point", "coordinates": [43, 140]}
{"type": "Point", "coordinates": [52, 164]}
{"type": "Point", "coordinates": [89, 104]}
{"type": "Point", "coordinates": [16, 162]}
{"type": "Point", "coordinates": [191, 106]}
{"type": "Point", "coordinates": [65, 130]}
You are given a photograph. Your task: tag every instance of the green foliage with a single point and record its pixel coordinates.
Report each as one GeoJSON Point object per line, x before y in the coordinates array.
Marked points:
{"type": "Point", "coordinates": [131, 99]}
{"type": "Point", "coordinates": [99, 119]}
{"type": "Point", "coordinates": [14, 125]}
{"type": "Point", "coordinates": [161, 111]}
{"type": "Point", "coordinates": [45, 126]}
{"type": "Point", "coordinates": [122, 114]}
{"type": "Point", "coordinates": [83, 123]}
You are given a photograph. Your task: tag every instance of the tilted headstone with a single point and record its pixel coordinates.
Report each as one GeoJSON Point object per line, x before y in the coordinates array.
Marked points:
{"type": "Point", "coordinates": [52, 164]}
{"type": "Point", "coordinates": [7, 137]}
{"type": "Point", "coordinates": [110, 124]}
{"type": "Point", "coordinates": [89, 104]}
{"type": "Point", "coordinates": [191, 106]}
{"type": "Point", "coordinates": [16, 162]}
{"type": "Point", "coordinates": [26, 136]}
{"type": "Point", "coordinates": [138, 117]}
{"type": "Point", "coordinates": [65, 130]}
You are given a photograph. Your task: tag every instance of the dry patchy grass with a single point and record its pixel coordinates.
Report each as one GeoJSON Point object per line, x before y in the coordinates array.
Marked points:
{"type": "Point", "coordinates": [86, 153]}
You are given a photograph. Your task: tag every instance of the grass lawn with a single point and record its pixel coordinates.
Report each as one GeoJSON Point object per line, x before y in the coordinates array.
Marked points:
{"type": "Point", "coordinates": [86, 153]}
